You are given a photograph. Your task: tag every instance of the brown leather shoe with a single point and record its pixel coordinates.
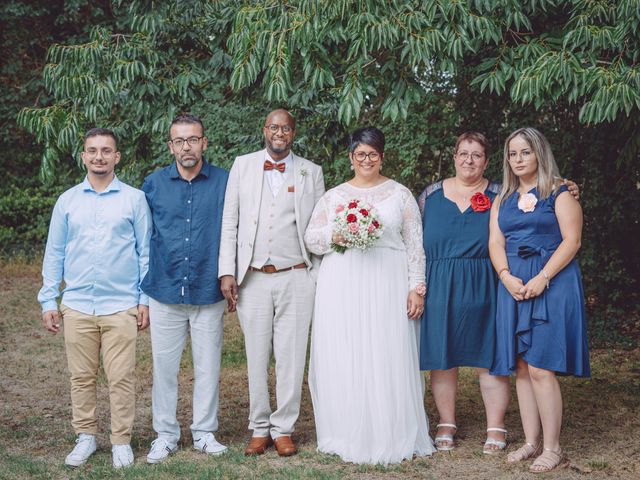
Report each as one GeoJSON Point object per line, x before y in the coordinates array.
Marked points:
{"type": "Point", "coordinates": [285, 446]}
{"type": "Point", "coordinates": [257, 445]}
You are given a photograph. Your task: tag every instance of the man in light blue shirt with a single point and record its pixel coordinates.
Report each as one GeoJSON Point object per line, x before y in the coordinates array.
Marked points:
{"type": "Point", "coordinates": [98, 244]}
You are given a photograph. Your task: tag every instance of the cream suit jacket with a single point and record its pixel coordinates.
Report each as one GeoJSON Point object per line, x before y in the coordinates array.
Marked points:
{"type": "Point", "coordinates": [242, 206]}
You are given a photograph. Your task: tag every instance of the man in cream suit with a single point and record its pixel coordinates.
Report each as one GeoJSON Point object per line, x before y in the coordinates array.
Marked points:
{"type": "Point", "coordinates": [267, 273]}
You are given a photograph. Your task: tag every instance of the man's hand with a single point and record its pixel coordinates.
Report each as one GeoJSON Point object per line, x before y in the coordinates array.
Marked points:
{"type": "Point", "coordinates": [51, 321]}
{"type": "Point", "coordinates": [229, 289]}
{"type": "Point", "coordinates": [142, 316]}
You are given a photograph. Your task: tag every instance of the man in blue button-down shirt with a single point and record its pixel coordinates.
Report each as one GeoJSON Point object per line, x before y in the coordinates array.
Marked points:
{"type": "Point", "coordinates": [98, 244]}
{"type": "Point", "coordinates": [186, 200]}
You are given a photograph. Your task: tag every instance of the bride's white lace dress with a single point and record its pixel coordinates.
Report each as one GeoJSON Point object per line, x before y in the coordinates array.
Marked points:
{"type": "Point", "coordinates": [364, 376]}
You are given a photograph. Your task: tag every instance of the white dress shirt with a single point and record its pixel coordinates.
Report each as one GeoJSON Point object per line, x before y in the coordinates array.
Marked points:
{"type": "Point", "coordinates": [275, 179]}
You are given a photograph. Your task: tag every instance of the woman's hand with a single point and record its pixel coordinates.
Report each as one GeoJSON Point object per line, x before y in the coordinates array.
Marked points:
{"type": "Point", "coordinates": [534, 287]}
{"type": "Point", "coordinates": [415, 305]}
{"type": "Point", "coordinates": [514, 286]}
{"type": "Point", "coordinates": [338, 239]}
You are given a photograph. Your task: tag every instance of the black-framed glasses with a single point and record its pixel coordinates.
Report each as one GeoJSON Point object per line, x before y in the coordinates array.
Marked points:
{"type": "Point", "coordinates": [273, 128]}
{"type": "Point", "coordinates": [475, 156]}
{"type": "Point", "coordinates": [192, 141]}
{"type": "Point", "coordinates": [361, 156]}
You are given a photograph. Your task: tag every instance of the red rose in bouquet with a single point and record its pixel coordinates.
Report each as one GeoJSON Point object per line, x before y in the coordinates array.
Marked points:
{"type": "Point", "coordinates": [351, 218]}
{"type": "Point", "coordinates": [480, 202]}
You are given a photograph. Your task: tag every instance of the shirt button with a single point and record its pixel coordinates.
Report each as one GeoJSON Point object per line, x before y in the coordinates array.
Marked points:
{"type": "Point", "coordinates": [185, 278]}
{"type": "Point", "coordinates": [188, 201]}
{"type": "Point", "coordinates": [188, 220]}
{"type": "Point", "coordinates": [186, 239]}
{"type": "Point", "coordinates": [186, 258]}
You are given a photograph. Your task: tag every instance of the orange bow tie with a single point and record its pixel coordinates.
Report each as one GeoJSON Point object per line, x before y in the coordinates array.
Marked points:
{"type": "Point", "coordinates": [278, 166]}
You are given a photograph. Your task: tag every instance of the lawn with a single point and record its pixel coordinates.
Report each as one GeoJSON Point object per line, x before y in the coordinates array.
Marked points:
{"type": "Point", "coordinates": [601, 428]}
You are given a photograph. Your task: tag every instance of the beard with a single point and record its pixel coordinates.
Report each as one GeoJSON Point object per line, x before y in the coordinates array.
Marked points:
{"type": "Point", "coordinates": [188, 161]}
{"type": "Point", "coordinates": [278, 149]}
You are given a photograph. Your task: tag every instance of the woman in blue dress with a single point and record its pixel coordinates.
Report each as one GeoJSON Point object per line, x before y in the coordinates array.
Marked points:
{"type": "Point", "coordinates": [458, 326]}
{"type": "Point", "coordinates": [535, 233]}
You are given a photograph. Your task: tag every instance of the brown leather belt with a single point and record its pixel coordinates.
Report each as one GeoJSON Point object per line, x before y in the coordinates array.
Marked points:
{"type": "Point", "coordinates": [273, 269]}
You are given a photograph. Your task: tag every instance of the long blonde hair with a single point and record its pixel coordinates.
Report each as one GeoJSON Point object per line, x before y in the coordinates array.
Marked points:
{"type": "Point", "coordinates": [548, 173]}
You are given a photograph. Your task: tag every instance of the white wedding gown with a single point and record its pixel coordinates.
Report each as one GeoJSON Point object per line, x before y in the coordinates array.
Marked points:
{"type": "Point", "coordinates": [364, 375]}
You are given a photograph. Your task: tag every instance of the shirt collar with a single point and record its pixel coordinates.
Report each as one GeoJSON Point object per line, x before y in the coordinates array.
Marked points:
{"type": "Point", "coordinates": [205, 171]}
{"type": "Point", "coordinates": [114, 186]}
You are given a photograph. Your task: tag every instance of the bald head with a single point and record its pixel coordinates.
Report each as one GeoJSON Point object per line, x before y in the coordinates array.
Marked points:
{"type": "Point", "coordinates": [279, 112]}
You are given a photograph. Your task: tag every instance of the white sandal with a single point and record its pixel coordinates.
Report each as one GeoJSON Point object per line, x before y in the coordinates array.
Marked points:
{"type": "Point", "coordinates": [501, 444]}
{"type": "Point", "coordinates": [445, 437]}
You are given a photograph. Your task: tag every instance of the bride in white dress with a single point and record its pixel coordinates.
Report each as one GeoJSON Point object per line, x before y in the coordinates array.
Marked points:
{"type": "Point", "coordinates": [364, 376]}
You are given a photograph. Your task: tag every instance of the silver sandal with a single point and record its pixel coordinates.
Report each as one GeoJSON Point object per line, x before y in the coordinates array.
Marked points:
{"type": "Point", "coordinates": [500, 444]}
{"type": "Point", "coordinates": [445, 437]}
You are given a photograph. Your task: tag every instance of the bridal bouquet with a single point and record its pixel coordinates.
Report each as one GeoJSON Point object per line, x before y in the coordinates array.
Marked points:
{"type": "Point", "coordinates": [357, 223]}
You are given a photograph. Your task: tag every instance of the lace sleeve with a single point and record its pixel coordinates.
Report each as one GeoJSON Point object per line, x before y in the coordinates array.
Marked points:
{"type": "Point", "coordinates": [317, 237]}
{"type": "Point", "coordinates": [412, 237]}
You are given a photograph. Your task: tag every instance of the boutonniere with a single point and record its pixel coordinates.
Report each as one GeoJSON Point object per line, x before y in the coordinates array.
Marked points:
{"type": "Point", "coordinates": [480, 202]}
{"type": "Point", "coordinates": [303, 173]}
{"type": "Point", "coordinates": [527, 202]}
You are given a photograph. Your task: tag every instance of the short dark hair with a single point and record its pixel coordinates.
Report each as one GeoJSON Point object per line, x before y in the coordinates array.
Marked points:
{"type": "Point", "coordinates": [186, 117]}
{"type": "Point", "coordinates": [473, 137]}
{"type": "Point", "coordinates": [101, 132]}
{"type": "Point", "coordinates": [369, 136]}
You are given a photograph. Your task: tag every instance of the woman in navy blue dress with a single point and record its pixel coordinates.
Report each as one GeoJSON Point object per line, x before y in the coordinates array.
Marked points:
{"type": "Point", "coordinates": [458, 326]}
{"type": "Point", "coordinates": [535, 233]}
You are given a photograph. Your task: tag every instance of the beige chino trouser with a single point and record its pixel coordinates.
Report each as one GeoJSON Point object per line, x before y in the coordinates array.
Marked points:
{"type": "Point", "coordinates": [85, 336]}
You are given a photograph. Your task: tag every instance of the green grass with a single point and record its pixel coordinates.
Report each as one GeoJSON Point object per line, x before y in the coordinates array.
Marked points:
{"type": "Point", "coordinates": [601, 427]}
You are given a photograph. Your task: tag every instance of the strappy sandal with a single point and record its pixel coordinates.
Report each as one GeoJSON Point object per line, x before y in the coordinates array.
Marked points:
{"type": "Point", "coordinates": [525, 452]}
{"type": "Point", "coordinates": [500, 444]}
{"type": "Point", "coordinates": [549, 460]}
{"type": "Point", "coordinates": [445, 437]}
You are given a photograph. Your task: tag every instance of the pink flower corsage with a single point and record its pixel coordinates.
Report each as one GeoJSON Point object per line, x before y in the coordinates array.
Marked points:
{"type": "Point", "coordinates": [421, 289]}
{"type": "Point", "coordinates": [527, 202]}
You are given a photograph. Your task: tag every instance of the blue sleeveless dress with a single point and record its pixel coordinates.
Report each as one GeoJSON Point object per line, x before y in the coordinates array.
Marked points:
{"type": "Point", "coordinates": [458, 325]}
{"type": "Point", "coordinates": [549, 331]}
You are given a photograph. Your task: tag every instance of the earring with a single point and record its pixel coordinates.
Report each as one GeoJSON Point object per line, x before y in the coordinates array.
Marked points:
{"type": "Point", "coordinates": [351, 166]}
{"type": "Point", "coordinates": [380, 169]}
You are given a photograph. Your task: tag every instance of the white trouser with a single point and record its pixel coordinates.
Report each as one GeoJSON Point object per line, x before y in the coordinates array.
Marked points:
{"type": "Point", "coordinates": [275, 311]}
{"type": "Point", "coordinates": [170, 325]}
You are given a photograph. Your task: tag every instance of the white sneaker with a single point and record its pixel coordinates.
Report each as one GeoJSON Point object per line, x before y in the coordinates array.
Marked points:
{"type": "Point", "coordinates": [85, 446]}
{"type": "Point", "coordinates": [122, 455]}
{"type": "Point", "coordinates": [208, 444]}
{"type": "Point", "coordinates": [160, 450]}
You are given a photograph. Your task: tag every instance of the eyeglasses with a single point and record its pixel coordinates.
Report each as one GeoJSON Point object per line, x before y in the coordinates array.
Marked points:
{"type": "Point", "coordinates": [474, 156]}
{"type": "Point", "coordinates": [273, 128]}
{"type": "Point", "coordinates": [192, 141]}
{"type": "Point", "coordinates": [106, 152]}
{"type": "Point", "coordinates": [361, 156]}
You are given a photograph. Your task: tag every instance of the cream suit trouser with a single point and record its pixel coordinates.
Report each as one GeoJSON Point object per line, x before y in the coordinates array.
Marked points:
{"type": "Point", "coordinates": [275, 311]}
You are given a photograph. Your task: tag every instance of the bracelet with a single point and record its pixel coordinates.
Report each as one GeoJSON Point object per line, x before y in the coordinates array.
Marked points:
{"type": "Point", "coordinates": [546, 277]}
{"type": "Point", "coordinates": [502, 270]}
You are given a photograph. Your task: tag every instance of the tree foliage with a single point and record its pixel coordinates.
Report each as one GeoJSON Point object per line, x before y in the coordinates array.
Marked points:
{"type": "Point", "coordinates": [423, 71]}
{"type": "Point", "coordinates": [348, 58]}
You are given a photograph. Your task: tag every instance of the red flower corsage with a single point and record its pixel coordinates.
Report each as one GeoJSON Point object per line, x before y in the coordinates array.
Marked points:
{"type": "Point", "coordinates": [480, 202]}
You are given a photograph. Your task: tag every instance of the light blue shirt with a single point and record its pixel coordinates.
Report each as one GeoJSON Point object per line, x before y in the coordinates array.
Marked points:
{"type": "Point", "coordinates": [98, 244]}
